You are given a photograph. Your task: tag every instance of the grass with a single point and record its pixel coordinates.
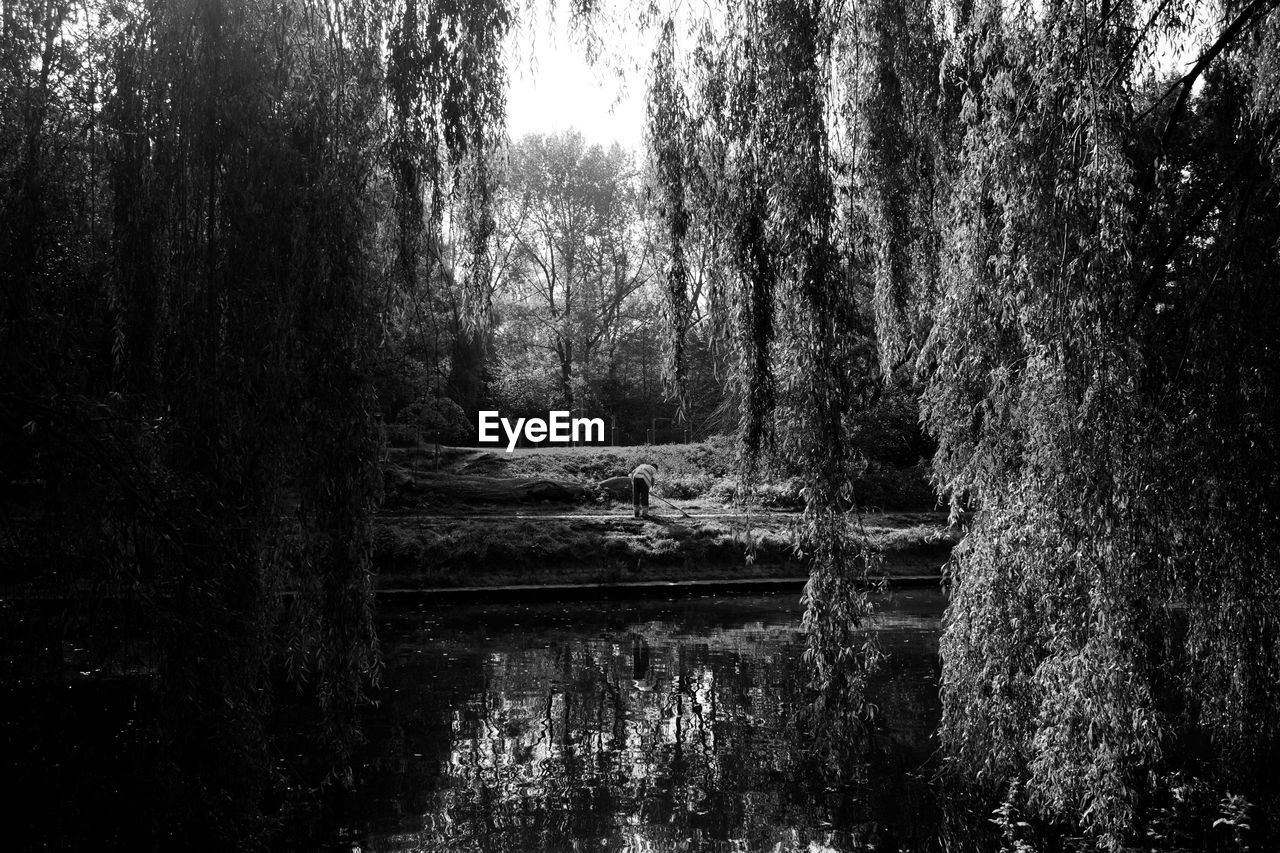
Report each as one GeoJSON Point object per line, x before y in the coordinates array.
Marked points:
{"type": "Point", "coordinates": [685, 471]}
{"type": "Point", "coordinates": [484, 543]}
{"type": "Point", "coordinates": [434, 551]}
{"type": "Point", "coordinates": [712, 459]}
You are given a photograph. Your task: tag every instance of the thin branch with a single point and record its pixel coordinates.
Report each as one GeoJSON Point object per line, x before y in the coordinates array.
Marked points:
{"type": "Point", "coordinates": [1256, 9]}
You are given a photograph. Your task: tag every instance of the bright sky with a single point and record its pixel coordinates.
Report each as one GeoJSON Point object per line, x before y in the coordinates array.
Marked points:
{"type": "Point", "coordinates": [553, 88]}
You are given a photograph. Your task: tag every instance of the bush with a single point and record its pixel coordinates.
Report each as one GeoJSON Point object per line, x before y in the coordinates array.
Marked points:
{"type": "Point", "coordinates": [701, 463]}
{"type": "Point", "coordinates": [683, 488]}
{"type": "Point", "coordinates": [784, 494]}
{"type": "Point", "coordinates": [881, 487]}
{"type": "Point", "coordinates": [398, 382]}
{"type": "Point", "coordinates": [886, 487]}
{"type": "Point", "coordinates": [403, 435]}
{"type": "Point", "coordinates": [889, 432]}
{"type": "Point", "coordinates": [438, 419]}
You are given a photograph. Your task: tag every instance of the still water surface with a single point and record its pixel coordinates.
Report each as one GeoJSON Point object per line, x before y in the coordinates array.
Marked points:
{"type": "Point", "coordinates": [633, 726]}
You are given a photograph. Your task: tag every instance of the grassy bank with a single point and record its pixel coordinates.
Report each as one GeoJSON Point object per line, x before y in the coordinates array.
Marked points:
{"type": "Point", "coordinates": [440, 551]}
{"type": "Point", "coordinates": [701, 470]}
{"type": "Point", "coordinates": [472, 517]}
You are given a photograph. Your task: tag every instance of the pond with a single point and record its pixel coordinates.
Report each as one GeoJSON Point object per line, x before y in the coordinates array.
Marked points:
{"type": "Point", "coordinates": [633, 726]}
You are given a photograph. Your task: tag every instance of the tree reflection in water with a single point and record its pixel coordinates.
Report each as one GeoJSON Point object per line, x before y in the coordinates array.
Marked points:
{"type": "Point", "coordinates": [635, 726]}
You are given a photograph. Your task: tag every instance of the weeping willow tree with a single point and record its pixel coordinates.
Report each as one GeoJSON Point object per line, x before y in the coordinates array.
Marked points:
{"type": "Point", "coordinates": [194, 197]}
{"type": "Point", "coordinates": [748, 146]}
{"type": "Point", "coordinates": [1064, 216]}
{"type": "Point", "coordinates": [1101, 374]}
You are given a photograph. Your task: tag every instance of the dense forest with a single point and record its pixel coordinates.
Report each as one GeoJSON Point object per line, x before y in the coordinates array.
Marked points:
{"type": "Point", "coordinates": [240, 241]}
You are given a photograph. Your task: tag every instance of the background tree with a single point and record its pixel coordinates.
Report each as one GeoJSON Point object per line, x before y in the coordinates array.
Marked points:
{"type": "Point", "coordinates": [580, 256]}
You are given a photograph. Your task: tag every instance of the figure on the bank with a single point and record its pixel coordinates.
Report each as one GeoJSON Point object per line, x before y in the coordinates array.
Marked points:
{"type": "Point", "coordinates": [641, 482]}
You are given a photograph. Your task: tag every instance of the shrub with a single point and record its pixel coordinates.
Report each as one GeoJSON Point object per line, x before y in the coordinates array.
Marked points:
{"type": "Point", "coordinates": [881, 487]}
{"type": "Point", "coordinates": [886, 487]}
{"type": "Point", "coordinates": [438, 419]}
{"type": "Point", "coordinates": [402, 435]}
{"type": "Point", "coordinates": [684, 487]}
{"type": "Point", "coordinates": [785, 494]}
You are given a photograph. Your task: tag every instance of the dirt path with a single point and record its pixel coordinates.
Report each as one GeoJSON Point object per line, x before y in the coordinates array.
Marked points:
{"type": "Point", "coordinates": [460, 466]}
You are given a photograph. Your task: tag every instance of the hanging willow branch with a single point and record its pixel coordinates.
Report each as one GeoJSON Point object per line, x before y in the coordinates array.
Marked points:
{"type": "Point", "coordinates": [668, 145]}
{"type": "Point", "coordinates": [760, 165]}
{"type": "Point", "coordinates": [192, 231]}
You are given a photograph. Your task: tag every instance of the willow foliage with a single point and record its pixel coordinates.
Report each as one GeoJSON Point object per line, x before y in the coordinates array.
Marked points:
{"type": "Point", "coordinates": [195, 196]}
{"type": "Point", "coordinates": [1074, 241]}
{"type": "Point", "coordinates": [1101, 377]}
{"type": "Point", "coordinates": [748, 146]}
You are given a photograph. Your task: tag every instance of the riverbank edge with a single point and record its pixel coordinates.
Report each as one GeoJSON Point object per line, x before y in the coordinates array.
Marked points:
{"type": "Point", "coordinates": [536, 550]}
{"type": "Point", "coordinates": [633, 589]}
